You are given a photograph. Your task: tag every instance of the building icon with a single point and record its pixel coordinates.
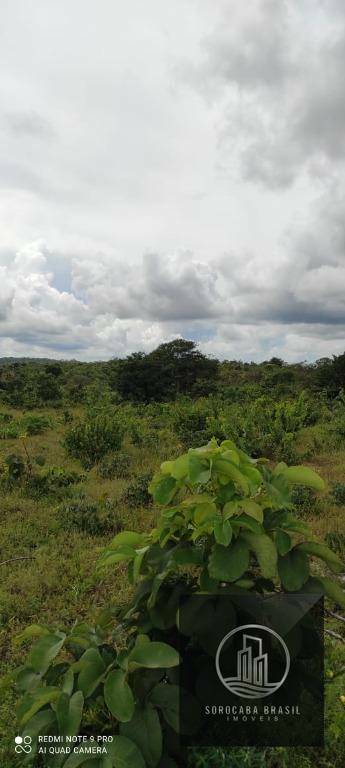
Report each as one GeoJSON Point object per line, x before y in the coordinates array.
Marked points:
{"type": "Point", "coordinates": [252, 669]}
{"type": "Point", "coordinates": [252, 664]}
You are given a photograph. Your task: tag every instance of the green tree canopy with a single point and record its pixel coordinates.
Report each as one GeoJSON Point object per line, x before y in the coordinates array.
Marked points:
{"type": "Point", "coordinates": [177, 367]}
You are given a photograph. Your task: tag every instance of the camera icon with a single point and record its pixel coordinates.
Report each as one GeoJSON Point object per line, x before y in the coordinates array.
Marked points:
{"type": "Point", "coordinates": [23, 744]}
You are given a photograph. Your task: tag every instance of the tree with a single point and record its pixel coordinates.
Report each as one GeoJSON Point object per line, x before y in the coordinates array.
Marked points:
{"type": "Point", "coordinates": [330, 374]}
{"type": "Point", "coordinates": [174, 368]}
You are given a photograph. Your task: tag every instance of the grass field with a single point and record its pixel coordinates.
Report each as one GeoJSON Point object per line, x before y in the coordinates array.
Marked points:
{"type": "Point", "coordinates": [50, 577]}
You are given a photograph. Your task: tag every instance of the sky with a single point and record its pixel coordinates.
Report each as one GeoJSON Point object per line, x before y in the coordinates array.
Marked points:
{"type": "Point", "coordinates": [172, 169]}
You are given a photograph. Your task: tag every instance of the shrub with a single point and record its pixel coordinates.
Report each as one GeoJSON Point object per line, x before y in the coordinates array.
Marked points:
{"type": "Point", "coordinates": [35, 425]}
{"type": "Point", "coordinates": [338, 493]}
{"type": "Point", "coordinates": [9, 431]}
{"type": "Point", "coordinates": [195, 422]}
{"type": "Point", "coordinates": [52, 481]}
{"type": "Point", "coordinates": [85, 515]}
{"type": "Point", "coordinates": [16, 467]}
{"type": "Point", "coordinates": [137, 494]}
{"type": "Point", "coordinates": [118, 465]}
{"type": "Point", "coordinates": [225, 520]}
{"type": "Point", "coordinates": [5, 417]}
{"type": "Point", "coordinates": [92, 439]}
{"type": "Point", "coordinates": [304, 499]}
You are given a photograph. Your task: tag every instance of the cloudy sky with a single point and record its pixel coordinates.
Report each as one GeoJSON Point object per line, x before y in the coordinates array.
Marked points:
{"type": "Point", "coordinates": [172, 169]}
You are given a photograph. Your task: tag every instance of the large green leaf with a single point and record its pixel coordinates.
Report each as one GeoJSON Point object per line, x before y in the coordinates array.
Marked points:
{"type": "Point", "coordinates": [222, 531]}
{"type": "Point", "coordinates": [34, 701]}
{"type": "Point", "coordinates": [204, 512]}
{"type": "Point", "coordinates": [118, 696]}
{"type": "Point", "coordinates": [253, 475]}
{"type": "Point", "coordinates": [229, 470]}
{"type": "Point", "coordinates": [232, 455]}
{"type": "Point", "coordinates": [145, 730]}
{"type": "Point", "coordinates": [44, 651]}
{"type": "Point", "coordinates": [333, 590]}
{"type": "Point", "coordinates": [137, 562]}
{"type": "Point", "coordinates": [180, 467]}
{"type": "Point", "coordinates": [244, 521]}
{"type": "Point", "coordinates": [33, 630]}
{"type": "Point", "coordinates": [42, 722]}
{"type": "Point", "coordinates": [303, 476]}
{"type": "Point", "coordinates": [265, 552]}
{"type": "Point", "coordinates": [293, 570]}
{"type": "Point", "coordinates": [27, 679]}
{"type": "Point", "coordinates": [124, 753]}
{"type": "Point", "coordinates": [129, 539]}
{"type": "Point", "coordinates": [84, 758]}
{"type": "Point", "coordinates": [121, 753]}
{"type": "Point", "coordinates": [154, 655]}
{"type": "Point", "coordinates": [324, 553]}
{"type": "Point", "coordinates": [188, 555]}
{"type": "Point", "coordinates": [68, 682]}
{"type": "Point", "coordinates": [156, 585]}
{"type": "Point", "coordinates": [69, 712]}
{"type": "Point", "coordinates": [164, 490]}
{"type": "Point", "coordinates": [199, 470]}
{"type": "Point", "coordinates": [91, 674]}
{"type": "Point", "coordinates": [252, 509]}
{"type": "Point", "coordinates": [166, 698]}
{"type": "Point", "coordinates": [283, 542]}
{"type": "Point", "coordinates": [121, 554]}
{"type": "Point", "coordinates": [228, 563]}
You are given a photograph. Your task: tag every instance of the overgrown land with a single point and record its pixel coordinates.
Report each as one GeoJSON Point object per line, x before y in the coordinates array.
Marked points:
{"type": "Point", "coordinates": [79, 443]}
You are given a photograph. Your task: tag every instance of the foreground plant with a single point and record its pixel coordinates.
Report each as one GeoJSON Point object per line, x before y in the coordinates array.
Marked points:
{"type": "Point", "coordinates": [226, 524]}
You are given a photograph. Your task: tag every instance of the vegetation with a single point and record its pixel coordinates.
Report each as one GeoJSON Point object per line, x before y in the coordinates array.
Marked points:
{"type": "Point", "coordinates": [84, 621]}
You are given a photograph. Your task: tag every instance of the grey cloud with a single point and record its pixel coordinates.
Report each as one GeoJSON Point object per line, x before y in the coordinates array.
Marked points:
{"type": "Point", "coordinates": [253, 54]}
{"type": "Point", "coordinates": [29, 123]}
{"type": "Point", "coordinates": [280, 84]}
{"type": "Point", "coordinates": [155, 300]}
{"type": "Point", "coordinates": [163, 287]}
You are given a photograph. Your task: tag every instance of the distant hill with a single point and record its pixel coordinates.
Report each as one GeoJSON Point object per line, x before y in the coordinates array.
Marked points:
{"type": "Point", "coordinates": [45, 360]}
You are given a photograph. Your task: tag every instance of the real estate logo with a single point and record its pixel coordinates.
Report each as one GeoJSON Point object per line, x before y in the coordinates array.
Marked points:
{"type": "Point", "coordinates": [252, 679]}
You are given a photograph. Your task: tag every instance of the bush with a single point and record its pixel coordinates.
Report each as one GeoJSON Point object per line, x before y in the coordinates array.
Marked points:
{"type": "Point", "coordinates": [118, 465]}
{"type": "Point", "coordinates": [304, 499]}
{"type": "Point", "coordinates": [195, 422]}
{"type": "Point", "coordinates": [16, 467]}
{"type": "Point", "coordinates": [85, 515]}
{"type": "Point", "coordinates": [5, 417]}
{"type": "Point", "coordinates": [338, 493]}
{"type": "Point", "coordinates": [137, 494]}
{"type": "Point", "coordinates": [35, 425]}
{"type": "Point", "coordinates": [92, 439]}
{"type": "Point", "coordinates": [9, 431]}
{"type": "Point", "coordinates": [52, 481]}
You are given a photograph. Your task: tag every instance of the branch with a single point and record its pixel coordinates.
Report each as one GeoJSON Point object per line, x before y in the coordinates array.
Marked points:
{"type": "Point", "coordinates": [336, 674]}
{"type": "Point", "coordinates": [334, 634]}
{"type": "Point", "coordinates": [12, 560]}
{"type": "Point", "coordinates": [336, 616]}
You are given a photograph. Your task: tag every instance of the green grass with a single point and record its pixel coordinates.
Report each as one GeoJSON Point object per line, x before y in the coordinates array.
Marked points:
{"type": "Point", "coordinates": [57, 583]}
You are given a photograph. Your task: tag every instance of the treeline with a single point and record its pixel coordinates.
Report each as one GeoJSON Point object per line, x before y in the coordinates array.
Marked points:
{"type": "Point", "coordinates": [174, 369]}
